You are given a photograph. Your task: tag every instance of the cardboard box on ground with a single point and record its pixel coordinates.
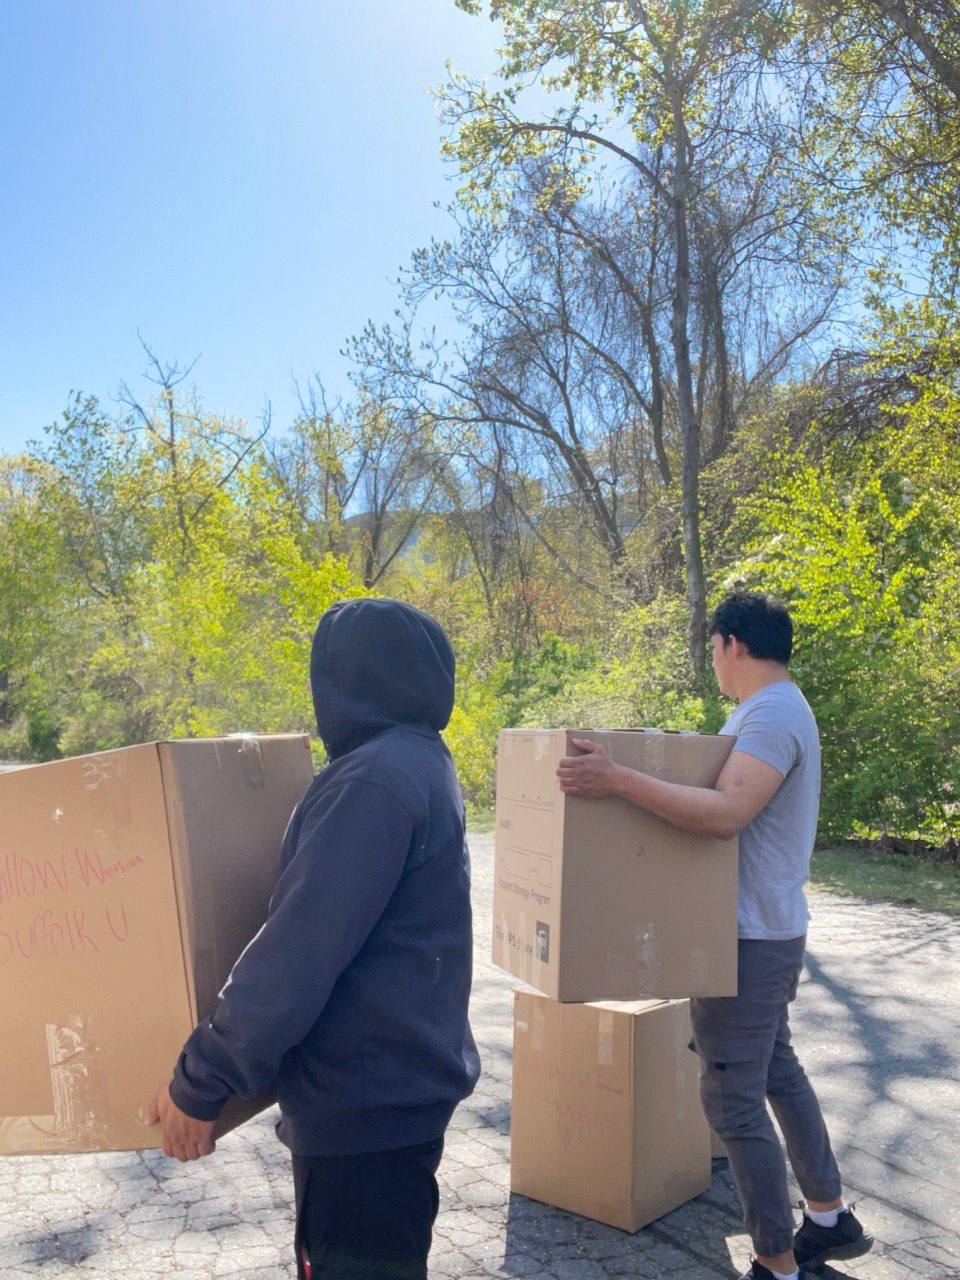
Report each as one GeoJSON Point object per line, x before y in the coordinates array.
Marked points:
{"type": "Point", "coordinates": [606, 1117]}
{"type": "Point", "coordinates": [594, 899]}
{"type": "Point", "coordinates": [130, 881]}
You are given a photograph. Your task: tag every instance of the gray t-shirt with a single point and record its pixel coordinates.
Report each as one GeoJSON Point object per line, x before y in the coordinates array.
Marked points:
{"type": "Point", "coordinates": [777, 726]}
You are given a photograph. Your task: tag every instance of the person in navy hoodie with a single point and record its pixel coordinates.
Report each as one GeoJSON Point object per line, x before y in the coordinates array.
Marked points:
{"type": "Point", "coordinates": [351, 1001]}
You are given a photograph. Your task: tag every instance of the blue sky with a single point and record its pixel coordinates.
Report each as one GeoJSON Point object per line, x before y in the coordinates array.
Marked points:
{"type": "Point", "coordinates": [240, 180]}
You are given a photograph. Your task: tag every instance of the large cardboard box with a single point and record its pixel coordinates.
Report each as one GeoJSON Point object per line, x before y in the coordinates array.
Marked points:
{"type": "Point", "coordinates": [606, 1118]}
{"type": "Point", "coordinates": [598, 900]}
{"type": "Point", "coordinates": [130, 881]}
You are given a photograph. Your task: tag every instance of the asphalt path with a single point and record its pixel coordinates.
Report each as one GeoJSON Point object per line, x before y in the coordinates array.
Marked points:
{"type": "Point", "coordinates": [877, 1023]}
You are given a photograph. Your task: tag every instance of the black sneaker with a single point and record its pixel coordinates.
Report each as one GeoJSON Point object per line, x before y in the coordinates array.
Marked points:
{"type": "Point", "coordinates": [814, 1245]}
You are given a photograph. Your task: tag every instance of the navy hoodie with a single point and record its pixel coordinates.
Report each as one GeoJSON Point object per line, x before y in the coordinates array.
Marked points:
{"type": "Point", "coordinates": [351, 1001]}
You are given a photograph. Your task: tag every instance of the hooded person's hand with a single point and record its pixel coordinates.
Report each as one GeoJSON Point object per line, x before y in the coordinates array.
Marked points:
{"type": "Point", "coordinates": [183, 1137]}
{"type": "Point", "coordinates": [591, 775]}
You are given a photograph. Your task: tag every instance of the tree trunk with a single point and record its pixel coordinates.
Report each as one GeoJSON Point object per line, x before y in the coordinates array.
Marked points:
{"type": "Point", "coordinates": [686, 408]}
{"type": "Point", "coordinates": [906, 21]}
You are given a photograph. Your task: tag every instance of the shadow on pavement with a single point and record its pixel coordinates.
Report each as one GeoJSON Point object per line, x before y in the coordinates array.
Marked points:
{"type": "Point", "coordinates": [891, 1050]}
{"type": "Point", "coordinates": [537, 1234]}
{"type": "Point", "coordinates": [70, 1246]}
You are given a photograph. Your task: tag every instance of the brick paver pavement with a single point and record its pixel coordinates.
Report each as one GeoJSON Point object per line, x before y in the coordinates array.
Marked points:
{"type": "Point", "coordinates": [877, 1022]}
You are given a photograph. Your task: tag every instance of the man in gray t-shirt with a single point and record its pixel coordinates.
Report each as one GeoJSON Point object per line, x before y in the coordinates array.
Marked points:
{"type": "Point", "coordinates": [768, 793]}
{"type": "Point", "coordinates": [776, 725]}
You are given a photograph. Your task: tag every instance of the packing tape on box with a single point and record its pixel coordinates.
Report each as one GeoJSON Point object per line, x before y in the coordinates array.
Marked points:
{"type": "Point", "coordinates": [681, 1049]}
{"type": "Point", "coordinates": [655, 753]}
{"type": "Point", "coordinates": [103, 777]}
{"type": "Point", "coordinates": [78, 1090]}
{"type": "Point", "coordinates": [251, 758]}
{"type": "Point", "coordinates": [76, 1074]}
{"type": "Point", "coordinates": [649, 965]}
{"type": "Point", "coordinates": [102, 770]}
{"type": "Point", "coordinates": [501, 935]}
{"type": "Point", "coordinates": [605, 1038]}
{"type": "Point", "coordinates": [538, 1022]}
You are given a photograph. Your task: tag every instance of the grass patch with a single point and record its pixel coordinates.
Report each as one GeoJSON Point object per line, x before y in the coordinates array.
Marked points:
{"type": "Point", "coordinates": [887, 877]}
{"type": "Point", "coordinates": [480, 822]}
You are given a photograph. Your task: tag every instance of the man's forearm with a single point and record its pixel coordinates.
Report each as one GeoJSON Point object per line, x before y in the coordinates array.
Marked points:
{"type": "Point", "coordinates": [700, 810]}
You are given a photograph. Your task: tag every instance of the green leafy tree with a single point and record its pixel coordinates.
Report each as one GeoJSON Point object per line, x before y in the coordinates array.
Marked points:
{"type": "Point", "coordinates": [678, 99]}
{"type": "Point", "coordinates": [862, 544]}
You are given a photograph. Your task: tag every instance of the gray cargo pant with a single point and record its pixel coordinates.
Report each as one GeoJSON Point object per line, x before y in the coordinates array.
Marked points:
{"type": "Point", "coordinates": [746, 1059]}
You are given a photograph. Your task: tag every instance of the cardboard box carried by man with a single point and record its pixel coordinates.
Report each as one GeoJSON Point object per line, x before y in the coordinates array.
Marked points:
{"type": "Point", "coordinates": [130, 881]}
{"type": "Point", "coordinates": [597, 900]}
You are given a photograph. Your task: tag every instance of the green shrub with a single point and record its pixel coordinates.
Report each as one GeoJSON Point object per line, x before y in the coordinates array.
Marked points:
{"type": "Point", "coordinates": [866, 559]}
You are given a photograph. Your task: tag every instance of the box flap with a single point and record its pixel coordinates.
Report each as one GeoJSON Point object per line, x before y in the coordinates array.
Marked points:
{"type": "Point", "coordinates": [228, 804]}
{"type": "Point", "coordinates": [527, 935]}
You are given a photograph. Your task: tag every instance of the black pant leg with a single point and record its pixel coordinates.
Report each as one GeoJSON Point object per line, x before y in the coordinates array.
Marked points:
{"type": "Point", "coordinates": [369, 1216]}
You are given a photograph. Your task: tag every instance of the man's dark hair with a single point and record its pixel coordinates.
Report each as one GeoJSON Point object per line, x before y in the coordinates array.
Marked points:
{"type": "Point", "coordinates": [759, 622]}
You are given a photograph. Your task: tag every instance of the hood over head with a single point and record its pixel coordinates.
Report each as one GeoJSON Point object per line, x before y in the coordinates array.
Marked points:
{"type": "Point", "coordinates": [376, 664]}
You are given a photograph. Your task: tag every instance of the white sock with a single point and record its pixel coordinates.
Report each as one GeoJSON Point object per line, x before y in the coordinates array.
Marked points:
{"type": "Point", "coordinates": [826, 1219]}
{"type": "Point", "coordinates": [786, 1275]}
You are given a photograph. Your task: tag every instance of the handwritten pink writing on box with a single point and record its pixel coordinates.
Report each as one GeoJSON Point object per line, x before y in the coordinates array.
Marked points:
{"type": "Point", "coordinates": [93, 869]}
{"type": "Point", "coordinates": [25, 877]}
{"type": "Point", "coordinates": [64, 933]}
{"type": "Point", "coordinates": [578, 1077]}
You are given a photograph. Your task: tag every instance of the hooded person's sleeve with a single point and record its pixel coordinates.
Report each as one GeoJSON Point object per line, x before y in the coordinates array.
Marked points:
{"type": "Point", "coordinates": [351, 852]}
